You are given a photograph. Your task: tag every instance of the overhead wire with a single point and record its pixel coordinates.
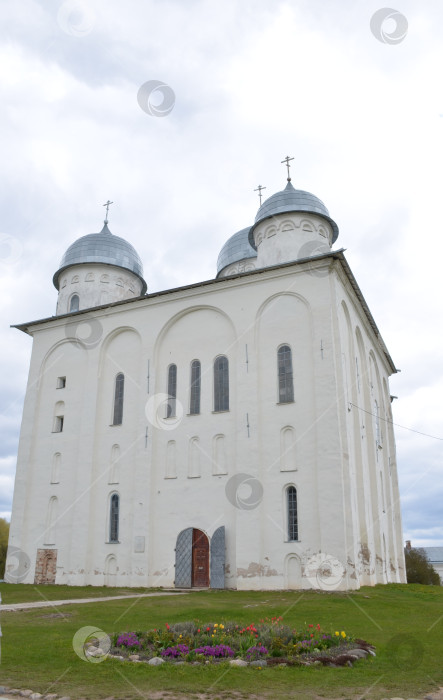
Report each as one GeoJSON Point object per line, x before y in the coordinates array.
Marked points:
{"type": "Point", "coordinates": [397, 425]}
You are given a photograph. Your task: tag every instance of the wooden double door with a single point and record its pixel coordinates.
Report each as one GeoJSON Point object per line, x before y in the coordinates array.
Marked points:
{"type": "Point", "coordinates": [200, 559]}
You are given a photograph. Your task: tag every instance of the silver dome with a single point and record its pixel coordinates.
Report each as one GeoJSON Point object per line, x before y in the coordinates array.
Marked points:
{"type": "Point", "coordinates": [104, 248]}
{"type": "Point", "coordinates": [288, 200]}
{"type": "Point", "coordinates": [235, 249]}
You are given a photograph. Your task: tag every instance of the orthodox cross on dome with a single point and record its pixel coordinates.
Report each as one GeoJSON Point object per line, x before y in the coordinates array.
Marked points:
{"type": "Point", "coordinates": [286, 160]}
{"type": "Point", "coordinates": [107, 205]}
{"type": "Point", "coordinates": [259, 189]}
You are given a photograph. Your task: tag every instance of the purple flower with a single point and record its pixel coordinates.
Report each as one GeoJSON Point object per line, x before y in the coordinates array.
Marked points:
{"type": "Point", "coordinates": [218, 652]}
{"type": "Point", "coordinates": [129, 639]}
{"type": "Point", "coordinates": [174, 652]}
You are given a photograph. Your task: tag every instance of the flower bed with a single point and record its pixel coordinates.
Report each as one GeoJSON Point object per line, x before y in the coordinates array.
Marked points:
{"type": "Point", "coordinates": [270, 640]}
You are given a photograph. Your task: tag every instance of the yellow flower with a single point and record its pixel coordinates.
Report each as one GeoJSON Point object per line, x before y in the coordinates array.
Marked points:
{"type": "Point", "coordinates": [337, 634]}
{"type": "Point", "coordinates": [216, 625]}
{"type": "Point", "coordinates": [343, 634]}
{"type": "Point", "coordinates": [212, 635]}
{"type": "Point", "coordinates": [180, 636]}
{"type": "Point", "coordinates": [222, 627]}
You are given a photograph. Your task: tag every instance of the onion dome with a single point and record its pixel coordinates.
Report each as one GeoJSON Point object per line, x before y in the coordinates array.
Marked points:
{"type": "Point", "coordinates": [235, 249]}
{"type": "Point", "coordinates": [103, 248]}
{"type": "Point", "coordinates": [292, 200]}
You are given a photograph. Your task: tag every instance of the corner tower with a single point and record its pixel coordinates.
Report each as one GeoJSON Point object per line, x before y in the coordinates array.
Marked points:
{"type": "Point", "coordinates": [98, 269]}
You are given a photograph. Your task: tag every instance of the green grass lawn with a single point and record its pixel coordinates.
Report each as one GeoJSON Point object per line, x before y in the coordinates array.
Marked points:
{"type": "Point", "coordinates": [404, 622]}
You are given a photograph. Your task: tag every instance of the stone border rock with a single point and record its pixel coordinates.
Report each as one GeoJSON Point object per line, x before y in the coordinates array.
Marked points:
{"type": "Point", "coordinates": [334, 657]}
{"type": "Point", "coordinates": [29, 694]}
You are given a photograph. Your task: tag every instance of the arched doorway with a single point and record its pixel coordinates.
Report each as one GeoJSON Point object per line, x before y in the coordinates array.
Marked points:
{"type": "Point", "coordinates": [192, 554]}
{"type": "Point", "coordinates": [110, 570]}
{"type": "Point", "coordinates": [293, 572]}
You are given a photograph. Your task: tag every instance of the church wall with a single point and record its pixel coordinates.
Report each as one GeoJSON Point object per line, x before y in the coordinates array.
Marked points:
{"type": "Point", "coordinates": [175, 474]}
{"type": "Point", "coordinates": [286, 318]}
{"type": "Point", "coordinates": [352, 444]}
{"type": "Point", "coordinates": [370, 444]}
{"type": "Point", "coordinates": [40, 442]}
{"type": "Point", "coordinates": [194, 496]}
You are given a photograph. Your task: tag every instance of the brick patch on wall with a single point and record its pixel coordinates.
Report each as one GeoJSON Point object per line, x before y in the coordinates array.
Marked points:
{"type": "Point", "coordinates": [45, 566]}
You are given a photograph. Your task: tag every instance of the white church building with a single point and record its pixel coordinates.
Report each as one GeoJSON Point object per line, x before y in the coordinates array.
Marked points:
{"type": "Point", "coordinates": [235, 433]}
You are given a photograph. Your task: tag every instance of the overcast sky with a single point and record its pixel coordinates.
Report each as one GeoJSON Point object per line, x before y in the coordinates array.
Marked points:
{"type": "Point", "coordinates": [358, 104]}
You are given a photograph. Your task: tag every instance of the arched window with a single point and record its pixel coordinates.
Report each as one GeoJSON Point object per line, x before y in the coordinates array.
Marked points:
{"type": "Point", "coordinates": [74, 303]}
{"type": "Point", "coordinates": [291, 497]}
{"type": "Point", "coordinates": [194, 458]}
{"type": "Point", "coordinates": [285, 377]}
{"type": "Point", "coordinates": [114, 517]}
{"type": "Point", "coordinates": [194, 404]}
{"type": "Point", "coordinates": [56, 463]}
{"type": "Point", "coordinates": [221, 384]}
{"type": "Point", "coordinates": [59, 417]}
{"type": "Point", "coordinates": [114, 467]}
{"type": "Point", "coordinates": [118, 399]}
{"type": "Point", "coordinates": [51, 519]}
{"type": "Point", "coordinates": [172, 391]}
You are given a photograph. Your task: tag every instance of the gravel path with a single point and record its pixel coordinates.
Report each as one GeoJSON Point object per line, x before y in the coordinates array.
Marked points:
{"type": "Point", "coordinates": [56, 603]}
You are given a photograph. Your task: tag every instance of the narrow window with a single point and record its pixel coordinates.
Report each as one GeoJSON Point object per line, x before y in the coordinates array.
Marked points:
{"type": "Point", "coordinates": [221, 384]}
{"type": "Point", "coordinates": [194, 405]}
{"type": "Point", "coordinates": [55, 473]}
{"type": "Point", "coordinates": [172, 391]}
{"type": "Point", "coordinates": [291, 494]}
{"type": "Point", "coordinates": [118, 399]}
{"type": "Point", "coordinates": [377, 424]}
{"type": "Point", "coordinates": [285, 377]}
{"type": "Point", "coordinates": [61, 382]}
{"type": "Point", "coordinates": [113, 518]}
{"type": "Point", "coordinates": [74, 304]}
{"type": "Point", "coordinates": [51, 520]}
{"type": "Point", "coordinates": [58, 424]}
